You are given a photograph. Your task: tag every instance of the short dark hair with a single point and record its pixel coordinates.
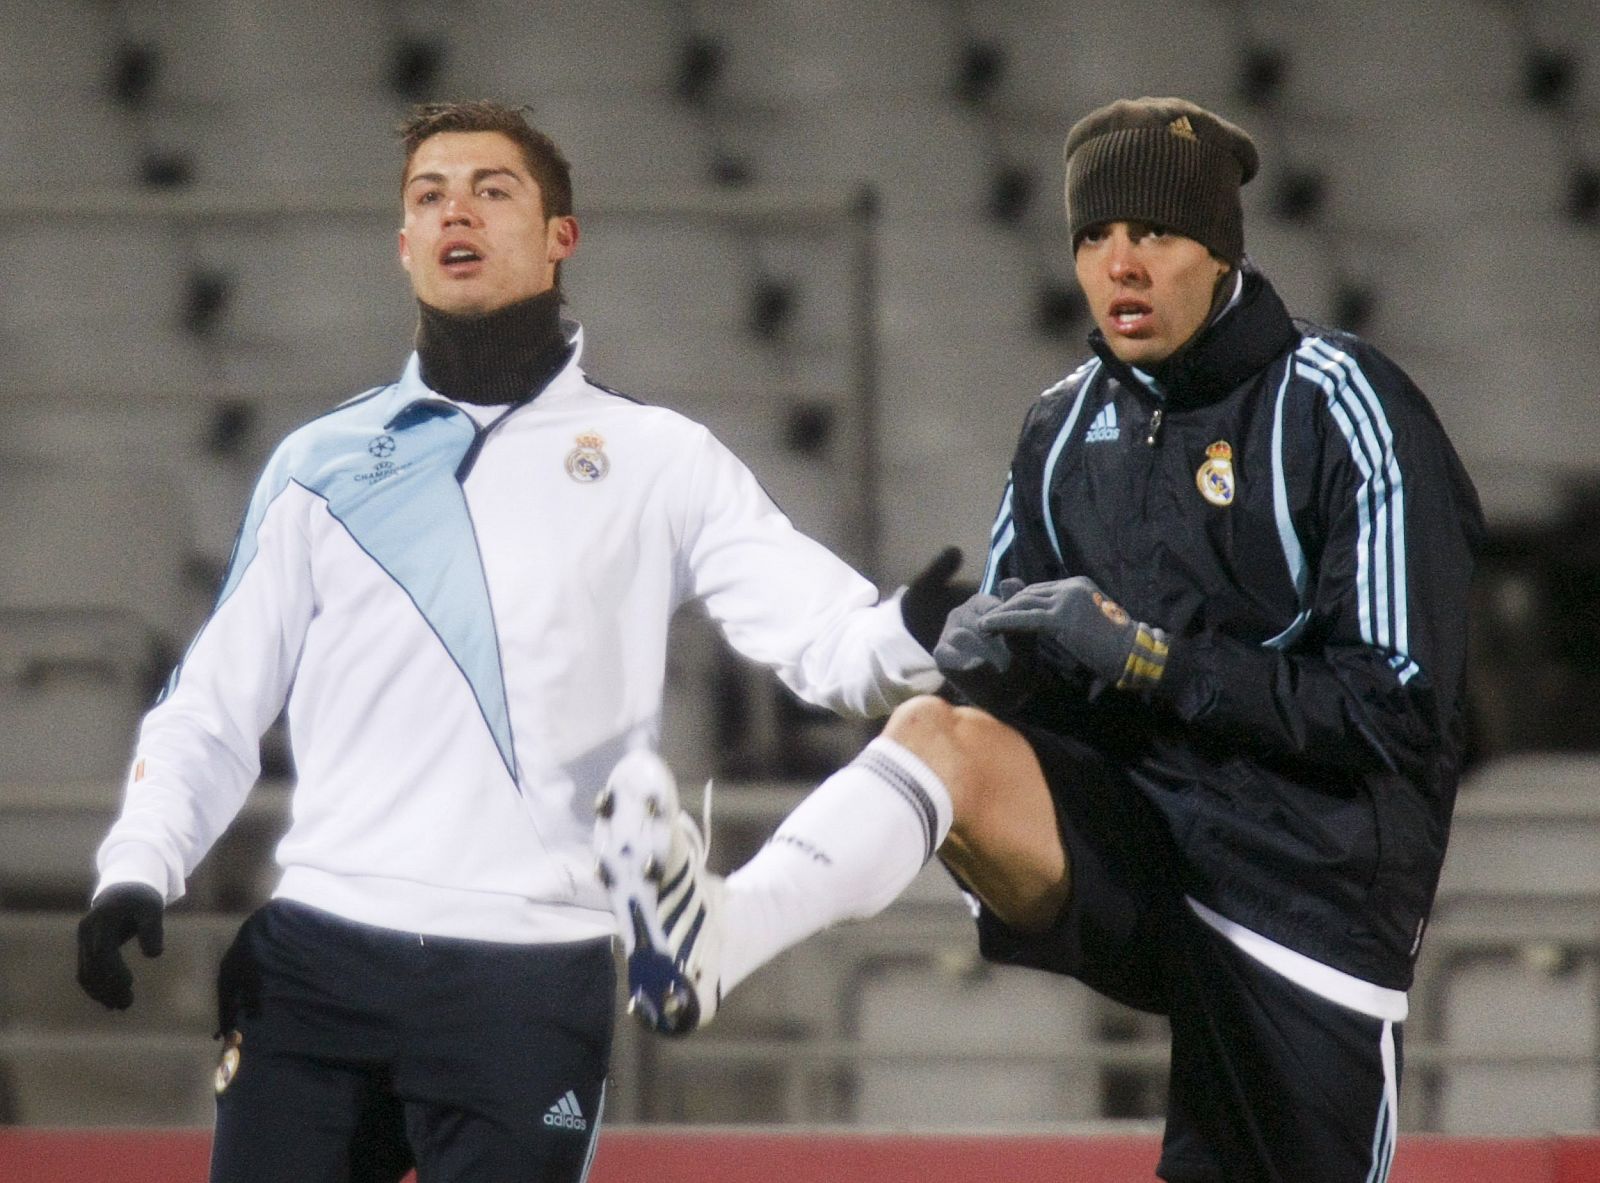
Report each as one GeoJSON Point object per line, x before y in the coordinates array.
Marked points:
{"type": "Point", "coordinates": [545, 162]}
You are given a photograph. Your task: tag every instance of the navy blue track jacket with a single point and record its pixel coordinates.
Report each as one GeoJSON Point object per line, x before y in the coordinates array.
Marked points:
{"type": "Point", "coordinates": [1283, 500]}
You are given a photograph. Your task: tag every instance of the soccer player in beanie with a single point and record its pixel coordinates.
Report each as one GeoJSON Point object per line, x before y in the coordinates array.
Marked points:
{"type": "Point", "coordinates": [460, 583]}
{"type": "Point", "coordinates": [1204, 720]}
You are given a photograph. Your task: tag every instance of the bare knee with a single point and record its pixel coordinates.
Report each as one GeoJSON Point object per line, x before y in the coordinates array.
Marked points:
{"type": "Point", "coordinates": [1004, 842]}
{"type": "Point", "coordinates": [963, 746]}
{"type": "Point", "coordinates": [922, 724]}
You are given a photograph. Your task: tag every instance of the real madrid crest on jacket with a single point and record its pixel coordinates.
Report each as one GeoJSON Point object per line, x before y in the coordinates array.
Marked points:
{"type": "Point", "coordinates": [1266, 490]}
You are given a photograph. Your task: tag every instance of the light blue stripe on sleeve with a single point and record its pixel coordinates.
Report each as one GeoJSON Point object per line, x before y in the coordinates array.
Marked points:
{"type": "Point", "coordinates": [1396, 502]}
{"type": "Point", "coordinates": [1000, 540]}
{"type": "Point", "coordinates": [1359, 413]}
{"type": "Point", "coordinates": [1089, 371]}
{"type": "Point", "coordinates": [991, 573]}
{"type": "Point", "coordinates": [1364, 498]}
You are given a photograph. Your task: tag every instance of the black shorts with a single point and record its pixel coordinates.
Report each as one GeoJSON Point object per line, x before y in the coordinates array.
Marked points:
{"type": "Point", "coordinates": [352, 1053]}
{"type": "Point", "coordinates": [1269, 1081]}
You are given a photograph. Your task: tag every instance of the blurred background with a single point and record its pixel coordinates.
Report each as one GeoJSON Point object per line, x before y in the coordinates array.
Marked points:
{"type": "Point", "coordinates": [833, 232]}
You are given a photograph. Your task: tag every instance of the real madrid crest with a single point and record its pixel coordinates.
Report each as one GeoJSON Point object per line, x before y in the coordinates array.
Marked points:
{"type": "Point", "coordinates": [228, 1065]}
{"type": "Point", "coordinates": [588, 462]}
{"type": "Point", "coordinates": [1215, 477]}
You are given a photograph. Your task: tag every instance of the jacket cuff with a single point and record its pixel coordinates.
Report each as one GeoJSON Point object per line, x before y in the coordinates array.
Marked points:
{"type": "Point", "coordinates": [1188, 685]}
{"type": "Point", "coordinates": [135, 862]}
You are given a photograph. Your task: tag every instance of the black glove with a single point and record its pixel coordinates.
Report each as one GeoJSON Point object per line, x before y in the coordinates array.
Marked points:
{"type": "Point", "coordinates": [931, 596]}
{"type": "Point", "coordinates": [1088, 626]}
{"type": "Point", "coordinates": [981, 664]}
{"type": "Point", "coordinates": [120, 913]}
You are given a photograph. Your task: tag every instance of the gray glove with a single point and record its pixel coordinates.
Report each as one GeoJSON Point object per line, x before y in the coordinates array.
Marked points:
{"type": "Point", "coordinates": [964, 647]}
{"type": "Point", "coordinates": [985, 667]}
{"type": "Point", "coordinates": [1089, 626]}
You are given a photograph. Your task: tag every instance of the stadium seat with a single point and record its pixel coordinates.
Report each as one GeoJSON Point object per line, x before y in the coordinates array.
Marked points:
{"type": "Point", "coordinates": [319, 308]}
{"type": "Point", "coordinates": [107, 537]}
{"type": "Point", "coordinates": [1063, 59]}
{"type": "Point", "coordinates": [623, 142]}
{"type": "Point", "coordinates": [1570, 26]}
{"type": "Point", "coordinates": [60, 47]}
{"type": "Point", "coordinates": [76, 142]}
{"type": "Point", "coordinates": [1585, 129]}
{"type": "Point", "coordinates": [1445, 194]}
{"type": "Point", "coordinates": [1498, 1084]}
{"type": "Point", "coordinates": [235, 51]}
{"type": "Point", "coordinates": [68, 712]}
{"type": "Point", "coordinates": [289, 147]}
{"type": "Point", "coordinates": [91, 599]}
{"type": "Point", "coordinates": [102, 308]}
{"type": "Point", "coordinates": [111, 1080]}
{"type": "Point", "coordinates": [921, 158]}
{"type": "Point", "coordinates": [1528, 278]}
{"type": "Point", "coordinates": [1525, 844]}
{"type": "Point", "coordinates": [951, 1046]}
{"type": "Point", "coordinates": [1449, 163]}
{"type": "Point", "coordinates": [1299, 262]}
{"type": "Point", "coordinates": [1515, 919]}
{"type": "Point", "coordinates": [635, 270]}
{"type": "Point", "coordinates": [1358, 58]}
{"type": "Point", "coordinates": [563, 48]}
{"type": "Point", "coordinates": [953, 276]}
{"type": "Point", "coordinates": [921, 514]}
{"type": "Point", "coordinates": [805, 54]}
{"type": "Point", "coordinates": [1533, 406]}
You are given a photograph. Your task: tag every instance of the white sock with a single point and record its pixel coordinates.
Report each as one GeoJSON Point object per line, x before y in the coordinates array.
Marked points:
{"type": "Point", "coordinates": [844, 853]}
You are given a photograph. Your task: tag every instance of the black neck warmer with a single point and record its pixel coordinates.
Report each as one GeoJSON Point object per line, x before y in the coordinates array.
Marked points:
{"type": "Point", "coordinates": [504, 356]}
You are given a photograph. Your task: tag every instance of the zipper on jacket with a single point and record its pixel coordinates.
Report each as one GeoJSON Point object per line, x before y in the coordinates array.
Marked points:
{"type": "Point", "coordinates": [1154, 431]}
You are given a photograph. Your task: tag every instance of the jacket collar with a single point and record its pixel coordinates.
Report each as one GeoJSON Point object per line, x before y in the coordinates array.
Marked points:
{"type": "Point", "coordinates": [412, 393]}
{"type": "Point", "coordinates": [1244, 339]}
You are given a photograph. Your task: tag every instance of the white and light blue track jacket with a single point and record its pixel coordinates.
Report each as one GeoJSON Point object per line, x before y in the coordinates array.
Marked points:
{"type": "Point", "coordinates": [469, 626]}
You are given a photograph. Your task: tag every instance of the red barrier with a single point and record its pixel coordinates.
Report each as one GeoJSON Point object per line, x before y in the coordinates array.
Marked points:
{"type": "Point", "coordinates": [737, 1156]}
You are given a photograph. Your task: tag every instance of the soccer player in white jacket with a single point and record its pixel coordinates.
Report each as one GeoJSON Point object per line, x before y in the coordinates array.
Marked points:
{"type": "Point", "coordinates": [460, 585]}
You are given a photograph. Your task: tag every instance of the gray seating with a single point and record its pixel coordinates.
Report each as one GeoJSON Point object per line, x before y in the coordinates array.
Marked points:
{"type": "Point", "coordinates": [1569, 26]}
{"type": "Point", "coordinates": [1069, 57]}
{"type": "Point", "coordinates": [953, 1046]}
{"type": "Point", "coordinates": [1524, 1043]}
{"type": "Point", "coordinates": [104, 304]}
{"type": "Point", "coordinates": [1360, 58]}
{"type": "Point", "coordinates": [222, 51]}
{"type": "Point", "coordinates": [118, 1080]}
{"type": "Point", "coordinates": [564, 47]}
{"type": "Point", "coordinates": [807, 54]}
{"type": "Point", "coordinates": [1449, 163]}
{"type": "Point", "coordinates": [92, 537]}
{"type": "Point", "coordinates": [319, 308]}
{"type": "Point", "coordinates": [921, 157]}
{"type": "Point", "coordinates": [1510, 972]}
{"type": "Point", "coordinates": [1298, 262]}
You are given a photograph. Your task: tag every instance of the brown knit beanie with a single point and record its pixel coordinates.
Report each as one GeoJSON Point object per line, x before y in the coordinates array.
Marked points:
{"type": "Point", "coordinates": [1164, 161]}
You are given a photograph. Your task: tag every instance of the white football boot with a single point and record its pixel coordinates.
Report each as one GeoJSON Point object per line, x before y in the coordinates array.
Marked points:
{"type": "Point", "coordinates": [652, 861]}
